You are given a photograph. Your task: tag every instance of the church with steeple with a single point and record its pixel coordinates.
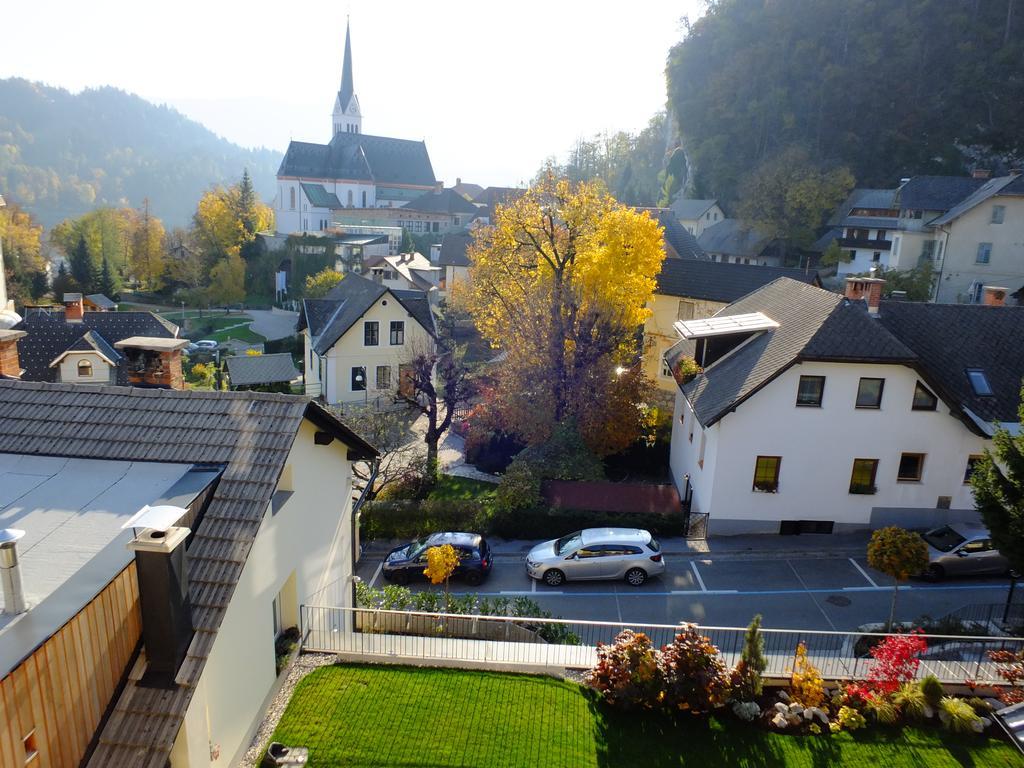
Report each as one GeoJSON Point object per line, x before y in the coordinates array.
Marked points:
{"type": "Point", "coordinates": [352, 170]}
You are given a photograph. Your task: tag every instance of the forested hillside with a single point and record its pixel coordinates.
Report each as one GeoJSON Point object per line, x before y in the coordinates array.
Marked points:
{"type": "Point", "coordinates": [888, 88]}
{"type": "Point", "coordinates": [63, 154]}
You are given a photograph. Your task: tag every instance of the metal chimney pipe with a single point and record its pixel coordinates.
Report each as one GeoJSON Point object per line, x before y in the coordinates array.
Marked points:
{"type": "Point", "coordinates": [10, 571]}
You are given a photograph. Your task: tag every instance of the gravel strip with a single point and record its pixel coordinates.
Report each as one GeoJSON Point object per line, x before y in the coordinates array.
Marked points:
{"type": "Point", "coordinates": [304, 664]}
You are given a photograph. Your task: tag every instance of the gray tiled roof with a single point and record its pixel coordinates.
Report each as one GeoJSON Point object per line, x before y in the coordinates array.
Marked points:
{"type": "Point", "coordinates": [329, 318]}
{"type": "Point", "coordinates": [445, 201]}
{"type": "Point", "coordinates": [492, 196]}
{"type": "Point", "coordinates": [249, 433]}
{"type": "Point", "coordinates": [685, 208]}
{"type": "Point", "coordinates": [879, 199]}
{"type": "Point", "coordinates": [247, 370]}
{"type": "Point", "coordinates": [93, 341]}
{"type": "Point", "coordinates": [49, 334]}
{"type": "Point", "coordinates": [989, 189]}
{"type": "Point", "coordinates": [101, 301]}
{"type": "Point", "coordinates": [950, 338]}
{"type": "Point", "coordinates": [935, 193]}
{"type": "Point", "coordinates": [729, 237]}
{"type": "Point", "coordinates": [320, 197]}
{"type": "Point", "coordinates": [360, 157]}
{"type": "Point", "coordinates": [718, 281]}
{"type": "Point", "coordinates": [676, 236]}
{"type": "Point", "coordinates": [453, 250]}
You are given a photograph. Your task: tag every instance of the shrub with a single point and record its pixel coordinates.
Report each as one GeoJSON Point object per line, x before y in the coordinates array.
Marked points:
{"type": "Point", "coordinates": [849, 719]}
{"type": "Point", "coordinates": [882, 710]}
{"type": "Point", "coordinates": [519, 488]}
{"type": "Point", "coordinates": [746, 676]}
{"type": "Point", "coordinates": [1011, 669]}
{"type": "Point", "coordinates": [686, 369]}
{"type": "Point", "coordinates": [960, 716]}
{"type": "Point", "coordinates": [896, 662]}
{"type": "Point", "coordinates": [932, 690]}
{"type": "Point", "coordinates": [696, 679]}
{"type": "Point", "coordinates": [407, 519]}
{"type": "Point", "coordinates": [627, 672]}
{"type": "Point", "coordinates": [980, 706]}
{"type": "Point", "coordinates": [805, 684]}
{"type": "Point", "coordinates": [911, 699]}
{"type": "Point", "coordinates": [747, 711]}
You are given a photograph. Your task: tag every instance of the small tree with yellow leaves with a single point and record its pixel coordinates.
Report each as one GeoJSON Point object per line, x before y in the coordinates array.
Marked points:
{"type": "Point", "coordinates": [441, 564]}
{"type": "Point", "coordinates": [805, 684]}
{"type": "Point", "coordinates": [898, 553]}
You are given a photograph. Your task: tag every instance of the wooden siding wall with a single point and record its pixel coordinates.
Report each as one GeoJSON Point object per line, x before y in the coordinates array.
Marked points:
{"type": "Point", "coordinates": [63, 689]}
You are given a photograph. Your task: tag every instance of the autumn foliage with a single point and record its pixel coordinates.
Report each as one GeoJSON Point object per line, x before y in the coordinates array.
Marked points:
{"type": "Point", "coordinates": [441, 563]}
{"type": "Point", "coordinates": [896, 661]}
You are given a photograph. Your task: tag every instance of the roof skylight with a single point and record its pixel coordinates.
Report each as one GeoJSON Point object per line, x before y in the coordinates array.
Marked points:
{"type": "Point", "coordinates": [725, 325]}
{"type": "Point", "coordinates": [979, 382]}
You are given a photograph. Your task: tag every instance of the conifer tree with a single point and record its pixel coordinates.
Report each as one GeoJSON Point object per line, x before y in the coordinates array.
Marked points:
{"type": "Point", "coordinates": [82, 271]}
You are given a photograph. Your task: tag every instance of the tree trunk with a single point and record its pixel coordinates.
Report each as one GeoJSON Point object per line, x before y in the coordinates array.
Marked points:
{"type": "Point", "coordinates": [892, 606]}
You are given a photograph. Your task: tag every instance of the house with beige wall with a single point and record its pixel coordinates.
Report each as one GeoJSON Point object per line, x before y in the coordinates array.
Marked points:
{"type": "Point", "coordinates": [692, 288]}
{"type": "Point", "coordinates": [163, 540]}
{"type": "Point", "coordinates": [359, 338]}
{"type": "Point", "coordinates": [819, 413]}
{"type": "Point", "coordinates": [697, 215]}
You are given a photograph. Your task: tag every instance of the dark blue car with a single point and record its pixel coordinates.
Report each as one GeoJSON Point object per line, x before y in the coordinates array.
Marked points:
{"type": "Point", "coordinates": [405, 563]}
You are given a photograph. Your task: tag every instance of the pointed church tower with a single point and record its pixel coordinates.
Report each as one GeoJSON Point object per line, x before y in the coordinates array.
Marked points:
{"type": "Point", "coordinates": [346, 118]}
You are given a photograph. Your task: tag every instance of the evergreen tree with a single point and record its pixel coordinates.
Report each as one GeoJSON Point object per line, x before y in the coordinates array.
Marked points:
{"type": "Point", "coordinates": [752, 662]}
{"type": "Point", "coordinates": [63, 282]}
{"type": "Point", "coordinates": [81, 266]}
{"type": "Point", "coordinates": [107, 284]}
{"type": "Point", "coordinates": [247, 205]}
{"type": "Point", "coordinates": [998, 483]}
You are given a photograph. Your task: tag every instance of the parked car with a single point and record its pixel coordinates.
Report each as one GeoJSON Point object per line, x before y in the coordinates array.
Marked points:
{"type": "Point", "coordinates": [962, 550]}
{"type": "Point", "coordinates": [597, 553]}
{"type": "Point", "coordinates": [207, 344]}
{"type": "Point", "coordinates": [405, 563]}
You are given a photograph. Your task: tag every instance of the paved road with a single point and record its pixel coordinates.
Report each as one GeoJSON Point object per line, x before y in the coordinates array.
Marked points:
{"type": "Point", "coordinates": [811, 592]}
{"type": "Point", "coordinates": [273, 324]}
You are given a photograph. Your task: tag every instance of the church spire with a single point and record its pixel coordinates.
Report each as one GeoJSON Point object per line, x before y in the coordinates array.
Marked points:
{"type": "Point", "coordinates": [346, 107]}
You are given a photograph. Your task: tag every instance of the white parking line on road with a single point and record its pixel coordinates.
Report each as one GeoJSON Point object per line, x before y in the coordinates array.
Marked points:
{"type": "Point", "coordinates": [376, 575]}
{"type": "Point", "coordinates": [693, 565]}
{"type": "Point", "coordinates": [533, 585]}
{"type": "Point", "coordinates": [863, 573]}
{"type": "Point", "coordinates": [517, 592]}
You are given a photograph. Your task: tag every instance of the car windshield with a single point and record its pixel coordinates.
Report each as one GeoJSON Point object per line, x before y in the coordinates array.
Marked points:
{"type": "Point", "coordinates": [944, 539]}
{"type": "Point", "coordinates": [414, 547]}
{"type": "Point", "coordinates": [568, 543]}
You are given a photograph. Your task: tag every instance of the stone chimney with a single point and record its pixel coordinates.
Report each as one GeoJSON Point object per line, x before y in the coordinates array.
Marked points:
{"type": "Point", "coordinates": [154, 362]}
{"type": "Point", "coordinates": [10, 364]}
{"type": "Point", "coordinates": [868, 288]}
{"type": "Point", "coordinates": [994, 296]}
{"type": "Point", "coordinates": [162, 571]}
{"type": "Point", "coordinates": [438, 187]}
{"type": "Point", "coordinates": [981, 173]}
{"type": "Point", "coordinates": [74, 307]}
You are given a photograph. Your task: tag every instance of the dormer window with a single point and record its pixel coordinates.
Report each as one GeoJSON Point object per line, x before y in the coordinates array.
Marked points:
{"type": "Point", "coordinates": [979, 382]}
{"type": "Point", "coordinates": [84, 369]}
{"type": "Point", "coordinates": [924, 400]}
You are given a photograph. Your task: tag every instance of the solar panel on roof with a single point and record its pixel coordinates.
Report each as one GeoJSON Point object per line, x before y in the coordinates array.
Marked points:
{"type": "Point", "coordinates": [722, 326]}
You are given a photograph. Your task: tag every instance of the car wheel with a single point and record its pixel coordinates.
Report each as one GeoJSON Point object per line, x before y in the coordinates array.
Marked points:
{"type": "Point", "coordinates": [400, 577]}
{"type": "Point", "coordinates": [473, 578]}
{"type": "Point", "coordinates": [934, 572]}
{"type": "Point", "coordinates": [554, 577]}
{"type": "Point", "coordinates": [636, 577]}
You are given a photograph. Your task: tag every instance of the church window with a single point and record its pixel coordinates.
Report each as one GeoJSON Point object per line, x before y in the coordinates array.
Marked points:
{"type": "Point", "coordinates": [350, 198]}
{"type": "Point", "coordinates": [364, 198]}
{"type": "Point", "coordinates": [292, 191]}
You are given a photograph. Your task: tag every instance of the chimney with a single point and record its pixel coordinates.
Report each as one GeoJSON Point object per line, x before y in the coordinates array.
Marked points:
{"type": "Point", "coordinates": [73, 307]}
{"type": "Point", "coordinates": [457, 181]}
{"type": "Point", "coordinates": [994, 296]}
{"type": "Point", "coordinates": [154, 362]}
{"type": "Point", "coordinates": [10, 572]}
{"type": "Point", "coordinates": [10, 364]}
{"type": "Point", "coordinates": [162, 571]}
{"type": "Point", "coordinates": [869, 288]}
{"type": "Point", "coordinates": [981, 173]}
{"type": "Point", "coordinates": [438, 187]}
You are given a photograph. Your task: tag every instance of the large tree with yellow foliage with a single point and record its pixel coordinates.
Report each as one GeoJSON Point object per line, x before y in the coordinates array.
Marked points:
{"type": "Point", "coordinates": [560, 283]}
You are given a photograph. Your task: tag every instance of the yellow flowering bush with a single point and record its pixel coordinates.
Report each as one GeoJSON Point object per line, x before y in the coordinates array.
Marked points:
{"type": "Point", "coordinates": [441, 563]}
{"type": "Point", "coordinates": [805, 684]}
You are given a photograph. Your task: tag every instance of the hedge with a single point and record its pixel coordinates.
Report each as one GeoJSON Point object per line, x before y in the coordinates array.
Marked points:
{"type": "Point", "coordinates": [409, 519]}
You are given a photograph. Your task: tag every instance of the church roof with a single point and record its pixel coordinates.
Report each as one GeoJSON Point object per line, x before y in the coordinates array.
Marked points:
{"type": "Point", "coordinates": [347, 89]}
{"type": "Point", "coordinates": [445, 201]}
{"type": "Point", "coordinates": [319, 197]}
{"type": "Point", "coordinates": [360, 157]}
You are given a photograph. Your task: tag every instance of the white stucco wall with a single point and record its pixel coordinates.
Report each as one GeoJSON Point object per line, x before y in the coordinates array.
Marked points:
{"type": "Point", "coordinates": [305, 217]}
{"type": "Point", "coordinates": [818, 446]}
{"type": "Point", "coordinates": [310, 537]}
{"type": "Point", "coordinates": [1005, 267]}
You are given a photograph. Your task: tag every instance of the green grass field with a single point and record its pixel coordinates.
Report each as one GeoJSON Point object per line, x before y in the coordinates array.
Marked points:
{"type": "Point", "coordinates": [354, 715]}
{"type": "Point", "coordinates": [454, 487]}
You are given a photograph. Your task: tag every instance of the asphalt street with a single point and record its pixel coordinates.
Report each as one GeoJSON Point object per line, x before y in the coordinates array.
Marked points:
{"type": "Point", "coordinates": [812, 592]}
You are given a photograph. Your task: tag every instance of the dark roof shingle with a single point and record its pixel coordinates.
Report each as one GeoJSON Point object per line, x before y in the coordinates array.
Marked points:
{"type": "Point", "coordinates": [718, 281]}
{"type": "Point", "coordinates": [731, 238]}
{"type": "Point", "coordinates": [360, 157]}
{"type": "Point", "coordinates": [935, 193]}
{"type": "Point", "coordinates": [453, 250]}
{"type": "Point", "coordinates": [249, 370]}
{"type": "Point", "coordinates": [445, 201]}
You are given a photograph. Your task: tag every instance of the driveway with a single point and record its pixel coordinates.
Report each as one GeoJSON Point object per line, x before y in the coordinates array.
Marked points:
{"type": "Point", "coordinates": [273, 323]}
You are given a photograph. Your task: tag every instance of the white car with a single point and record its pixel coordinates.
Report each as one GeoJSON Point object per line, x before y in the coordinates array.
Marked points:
{"type": "Point", "coordinates": [206, 345]}
{"type": "Point", "coordinates": [597, 553]}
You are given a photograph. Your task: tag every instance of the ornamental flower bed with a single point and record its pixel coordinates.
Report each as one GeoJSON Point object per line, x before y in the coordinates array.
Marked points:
{"type": "Point", "coordinates": [689, 676]}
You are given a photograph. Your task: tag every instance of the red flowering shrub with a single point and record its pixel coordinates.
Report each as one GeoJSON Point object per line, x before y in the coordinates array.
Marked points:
{"type": "Point", "coordinates": [896, 662]}
{"type": "Point", "coordinates": [696, 680]}
{"type": "Point", "coordinates": [627, 673]}
{"type": "Point", "coordinates": [1011, 669]}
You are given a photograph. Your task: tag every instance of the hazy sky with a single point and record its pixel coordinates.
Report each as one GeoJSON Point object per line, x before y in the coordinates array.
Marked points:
{"type": "Point", "coordinates": [493, 88]}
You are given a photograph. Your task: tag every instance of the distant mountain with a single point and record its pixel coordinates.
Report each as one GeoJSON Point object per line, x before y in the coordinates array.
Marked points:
{"type": "Point", "coordinates": [63, 154]}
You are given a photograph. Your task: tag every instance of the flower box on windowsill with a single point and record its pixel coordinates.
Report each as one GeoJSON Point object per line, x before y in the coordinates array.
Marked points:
{"type": "Point", "coordinates": [864, 490]}
{"type": "Point", "coordinates": [763, 488]}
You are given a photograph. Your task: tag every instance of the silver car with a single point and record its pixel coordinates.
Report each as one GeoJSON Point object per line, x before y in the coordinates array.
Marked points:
{"type": "Point", "coordinates": [597, 553]}
{"type": "Point", "coordinates": [962, 550]}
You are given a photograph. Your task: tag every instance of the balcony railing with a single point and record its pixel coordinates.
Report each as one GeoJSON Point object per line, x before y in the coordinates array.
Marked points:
{"type": "Point", "coordinates": [865, 243]}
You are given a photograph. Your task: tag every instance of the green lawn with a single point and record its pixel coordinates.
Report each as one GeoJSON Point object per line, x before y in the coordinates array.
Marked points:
{"type": "Point", "coordinates": [354, 715]}
{"type": "Point", "coordinates": [242, 333]}
{"type": "Point", "coordinates": [453, 487]}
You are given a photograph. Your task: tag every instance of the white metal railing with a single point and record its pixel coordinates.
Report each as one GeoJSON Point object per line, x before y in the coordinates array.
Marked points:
{"type": "Point", "coordinates": [509, 642]}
